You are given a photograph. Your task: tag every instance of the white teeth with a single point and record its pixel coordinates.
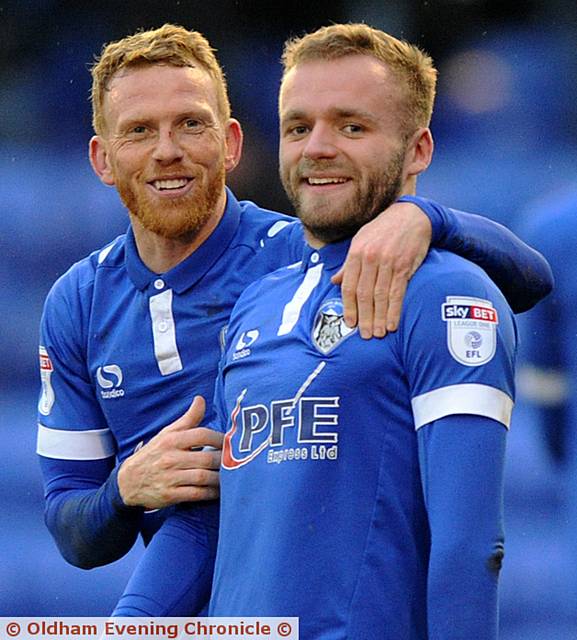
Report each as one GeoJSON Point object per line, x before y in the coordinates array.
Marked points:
{"type": "Point", "coordinates": [177, 183]}
{"type": "Point", "coordinates": [326, 180]}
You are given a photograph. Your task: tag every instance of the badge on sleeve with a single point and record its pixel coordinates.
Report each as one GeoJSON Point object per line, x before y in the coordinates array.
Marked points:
{"type": "Point", "coordinates": [47, 397]}
{"type": "Point", "coordinates": [471, 329]}
{"type": "Point", "coordinates": [329, 328]}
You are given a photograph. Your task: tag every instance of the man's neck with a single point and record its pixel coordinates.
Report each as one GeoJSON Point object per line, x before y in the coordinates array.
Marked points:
{"type": "Point", "coordinates": [313, 241]}
{"type": "Point", "coordinates": [161, 254]}
{"type": "Point", "coordinates": [409, 187]}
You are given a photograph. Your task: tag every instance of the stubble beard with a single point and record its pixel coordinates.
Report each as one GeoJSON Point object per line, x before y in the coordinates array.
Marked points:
{"type": "Point", "coordinates": [181, 218]}
{"type": "Point", "coordinates": [330, 223]}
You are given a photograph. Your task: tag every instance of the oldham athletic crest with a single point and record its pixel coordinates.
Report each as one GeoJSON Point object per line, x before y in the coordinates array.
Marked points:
{"type": "Point", "coordinates": [329, 328]}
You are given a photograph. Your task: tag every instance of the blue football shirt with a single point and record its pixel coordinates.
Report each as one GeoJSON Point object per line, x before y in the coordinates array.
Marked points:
{"type": "Point", "coordinates": [124, 350]}
{"type": "Point", "coordinates": [324, 511]}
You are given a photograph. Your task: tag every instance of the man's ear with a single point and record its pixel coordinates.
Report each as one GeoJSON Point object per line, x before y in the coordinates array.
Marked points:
{"type": "Point", "coordinates": [99, 160]}
{"type": "Point", "coordinates": [419, 152]}
{"type": "Point", "coordinates": [234, 138]}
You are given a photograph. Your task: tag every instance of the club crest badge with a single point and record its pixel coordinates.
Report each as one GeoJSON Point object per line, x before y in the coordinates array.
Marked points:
{"type": "Point", "coordinates": [471, 329]}
{"type": "Point", "coordinates": [329, 328]}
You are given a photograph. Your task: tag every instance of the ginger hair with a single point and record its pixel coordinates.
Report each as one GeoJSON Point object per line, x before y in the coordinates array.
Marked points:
{"type": "Point", "coordinates": [168, 45]}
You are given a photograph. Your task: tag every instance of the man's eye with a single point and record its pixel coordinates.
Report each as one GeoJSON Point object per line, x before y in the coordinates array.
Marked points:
{"type": "Point", "coordinates": [353, 128]}
{"type": "Point", "coordinates": [298, 130]}
{"type": "Point", "coordinates": [193, 125]}
{"type": "Point", "coordinates": [138, 129]}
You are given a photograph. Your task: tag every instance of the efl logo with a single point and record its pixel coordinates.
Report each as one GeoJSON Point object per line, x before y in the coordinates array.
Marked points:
{"type": "Point", "coordinates": [469, 312]}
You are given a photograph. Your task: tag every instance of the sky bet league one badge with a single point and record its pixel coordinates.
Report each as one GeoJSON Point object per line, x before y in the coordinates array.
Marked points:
{"type": "Point", "coordinates": [471, 329]}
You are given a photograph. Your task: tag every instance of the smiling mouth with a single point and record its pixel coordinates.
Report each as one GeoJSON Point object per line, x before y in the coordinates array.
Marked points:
{"type": "Point", "coordinates": [322, 181]}
{"type": "Point", "coordinates": [170, 184]}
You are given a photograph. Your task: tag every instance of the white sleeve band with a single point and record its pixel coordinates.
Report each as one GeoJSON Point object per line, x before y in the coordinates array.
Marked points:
{"type": "Point", "coordinates": [94, 444]}
{"type": "Point", "coordinates": [471, 399]}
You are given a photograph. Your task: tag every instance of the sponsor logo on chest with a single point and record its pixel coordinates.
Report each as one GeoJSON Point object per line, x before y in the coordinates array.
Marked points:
{"type": "Point", "coordinates": [288, 430]}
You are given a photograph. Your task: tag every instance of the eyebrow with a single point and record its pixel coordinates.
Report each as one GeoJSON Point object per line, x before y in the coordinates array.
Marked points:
{"type": "Point", "coordinates": [145, 119]}
{"type": "Point", "coordinates": [338, 112]}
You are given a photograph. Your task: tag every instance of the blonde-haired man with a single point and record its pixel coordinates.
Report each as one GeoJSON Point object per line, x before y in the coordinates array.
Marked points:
{"type": "Point", "coordinates": [132, 331]}
{"type": "Point", "coordinates": [348, 497]}
{"type": "Point", "coordinates": [372, 520]}
{"type": "Point", "coordinates": [411, 66]}
{"type": "Point", "coordinates": [407, 105]}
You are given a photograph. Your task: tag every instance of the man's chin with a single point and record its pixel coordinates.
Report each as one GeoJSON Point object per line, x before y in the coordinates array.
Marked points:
{"type": "Point", "coordinates": [333, 233]}
{"type": "Point", "coordinates": [325, 212]}
{"type": "Point", "coordinates": [179, 219]}
{"type": "Point", "coordinates": [326, 205]}
{"type": "Point", "coordinates": [177, 230]}
{"type": "Point", "coordinates": [332, 224]}
{"type": "Point", "coordinates": [172, 220]}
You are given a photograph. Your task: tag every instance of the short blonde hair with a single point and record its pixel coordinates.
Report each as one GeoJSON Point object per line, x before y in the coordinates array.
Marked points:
{"type": "Point", "coordinates": [169, 44]}
{"type": "Point", "coordinates": [412, 67]}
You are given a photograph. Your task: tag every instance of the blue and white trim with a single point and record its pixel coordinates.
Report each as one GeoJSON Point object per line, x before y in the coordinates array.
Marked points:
{"type": "Point", "coordinates": [93, 444]}
{"type": "Point", "coordinates": [468, 399]}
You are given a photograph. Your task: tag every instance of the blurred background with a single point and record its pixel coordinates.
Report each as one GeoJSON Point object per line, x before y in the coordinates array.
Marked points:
{"type": "Point", "coordinates": [506, 146]}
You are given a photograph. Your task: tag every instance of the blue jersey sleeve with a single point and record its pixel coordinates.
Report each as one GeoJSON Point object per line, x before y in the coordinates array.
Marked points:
{"type": "Point", "coordinates": [174, 576]}
{"type": "Point", "coordinates": [68, 403]}
{"type": "Point", "coordinates": [462, 460]}
{"type": "Point", "coordinates": [83, 509]}
{"type": "Point", "coordinates": [521, 273]}
{"type": "Point", "coordinates": [459, 342]}
{"type": "Point", "coordinates": [85, 513]}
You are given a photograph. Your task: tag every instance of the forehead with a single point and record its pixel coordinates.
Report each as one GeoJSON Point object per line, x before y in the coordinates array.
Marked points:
{"type": "Point", "coordinates": [150, 90]}
{"type": "Point", "coordinates": [356, 82]}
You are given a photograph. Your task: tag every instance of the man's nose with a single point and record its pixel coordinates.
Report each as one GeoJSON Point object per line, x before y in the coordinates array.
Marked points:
{"type": "Point", "coordinates": [168, 148]}
{"type": "Point", "coordinates": [320, 143]}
